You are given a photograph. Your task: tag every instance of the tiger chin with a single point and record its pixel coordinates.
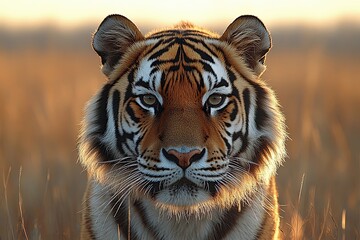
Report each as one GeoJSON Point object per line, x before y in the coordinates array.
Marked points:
{"type": "Point", "coordinates": [184, 139]}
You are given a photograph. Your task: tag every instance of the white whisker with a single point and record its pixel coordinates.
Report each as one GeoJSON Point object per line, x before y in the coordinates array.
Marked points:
{"type": "Point", "coordinates": [117, 160]}
{"type": "Point", "coordinates": [244, 160]}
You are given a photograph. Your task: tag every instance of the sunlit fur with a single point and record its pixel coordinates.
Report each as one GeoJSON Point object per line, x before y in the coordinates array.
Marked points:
{"type": "Point", "coordinates": [134, 190]}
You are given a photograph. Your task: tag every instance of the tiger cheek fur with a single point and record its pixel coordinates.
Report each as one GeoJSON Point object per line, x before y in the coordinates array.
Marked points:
{"type": "Point", "coordinates": [184, 140]}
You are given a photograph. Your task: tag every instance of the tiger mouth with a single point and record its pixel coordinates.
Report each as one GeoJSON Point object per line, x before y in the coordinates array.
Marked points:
{"type": "Point", "coordinates": [183, 183]}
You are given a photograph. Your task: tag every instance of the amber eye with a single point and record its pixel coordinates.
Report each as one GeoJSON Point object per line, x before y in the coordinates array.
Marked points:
{"type": "Point", "coordinates": [215, 100]}
{"type": "Point", "coordinates": [148, 100]}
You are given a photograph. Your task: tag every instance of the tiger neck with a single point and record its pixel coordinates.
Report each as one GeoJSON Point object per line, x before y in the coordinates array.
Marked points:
{"type": "Point", "coordinates": [219, 224]}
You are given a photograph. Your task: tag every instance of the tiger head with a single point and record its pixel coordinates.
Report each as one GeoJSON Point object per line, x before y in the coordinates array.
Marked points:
{"type": "Point", "coordinates": [184, 119]}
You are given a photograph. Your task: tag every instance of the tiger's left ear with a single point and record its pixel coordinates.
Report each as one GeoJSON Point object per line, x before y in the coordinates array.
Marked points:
{"type": "Point", "coordinates": [113, 38]}
{"type": "Point", "coordinates": [252, 40]}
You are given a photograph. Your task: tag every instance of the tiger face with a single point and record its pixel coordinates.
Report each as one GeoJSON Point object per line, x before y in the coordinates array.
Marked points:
{"type": "Point", "coordinates": [184, 119]}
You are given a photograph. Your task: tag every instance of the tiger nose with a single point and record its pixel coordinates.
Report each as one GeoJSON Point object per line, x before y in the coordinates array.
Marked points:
{"type": "Point", "coordinates": [183, 159]}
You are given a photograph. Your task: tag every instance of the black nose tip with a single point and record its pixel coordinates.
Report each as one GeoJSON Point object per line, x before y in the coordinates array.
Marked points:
{"type": "Point", "coordinates": [183, 159]}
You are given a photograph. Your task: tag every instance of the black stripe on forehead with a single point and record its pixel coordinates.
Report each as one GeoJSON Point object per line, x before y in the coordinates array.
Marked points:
{"type": "Point", "coordinates": [194, 77]}
{"type": "Point", "coordinates": [192, 41]}
{"type": "Point", "coordinates": [183, 32]}
{"type": "Point", "coordinates": [191, 72]}
{"type": "Point", "coordinates": [185, 43]}
{"type": "Point", "coordinates": [160, 52]}
{"type": "Point", "coordinates": [203, 55]}
{"type": "Point", "coordinates": [186, 37]}
{"type": "Point", "coordinates": [181, 58]}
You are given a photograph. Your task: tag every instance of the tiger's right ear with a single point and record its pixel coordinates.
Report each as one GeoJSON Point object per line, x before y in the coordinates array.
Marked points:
{"type": "Point", "coordinates": [114, 36]}
{"type": "Point", "coordinates": [251, 39]}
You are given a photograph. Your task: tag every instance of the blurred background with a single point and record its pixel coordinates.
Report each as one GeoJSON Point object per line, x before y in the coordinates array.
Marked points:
{"type": "Point", "coordinates": [48, 71]}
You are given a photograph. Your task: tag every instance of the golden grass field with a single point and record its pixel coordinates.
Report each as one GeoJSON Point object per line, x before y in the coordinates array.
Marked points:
{"type": "Point", "coordinates": [43, 90]}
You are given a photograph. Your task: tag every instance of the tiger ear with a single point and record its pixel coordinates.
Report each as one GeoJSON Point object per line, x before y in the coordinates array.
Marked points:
{"type": "Point", "coordinates": [252, 40]}
{"type": "Point", "coordinates": [113, 37]}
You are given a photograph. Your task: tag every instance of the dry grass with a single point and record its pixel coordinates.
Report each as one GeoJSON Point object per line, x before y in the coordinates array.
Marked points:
{"type": "Point", "coordinates": [42, 95]}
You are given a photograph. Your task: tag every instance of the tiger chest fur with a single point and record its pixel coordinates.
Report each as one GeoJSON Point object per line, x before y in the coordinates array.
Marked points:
{"type": "Point", "coordinates": [184, 139]}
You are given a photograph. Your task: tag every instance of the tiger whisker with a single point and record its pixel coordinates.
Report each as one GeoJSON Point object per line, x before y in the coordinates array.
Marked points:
{"type": "Point", "coordinates": [124, 193]}
{"type": "Point", "coordinates": [117, 160]}
{"type": "Point", "coordinates": [123, 199]}
{"type": "Point", "coordinates": [125, 169]}
{"type": "Point", "coordinates": [126, 183]}
{"type": "Point", "coordinates": [244, 160]}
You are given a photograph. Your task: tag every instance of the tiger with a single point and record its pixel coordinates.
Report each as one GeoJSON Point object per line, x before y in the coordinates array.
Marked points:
{"type": "Point", "coordinates": [184, 138]}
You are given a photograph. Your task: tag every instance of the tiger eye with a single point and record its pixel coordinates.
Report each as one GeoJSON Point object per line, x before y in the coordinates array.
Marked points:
{"type": "Point", "coordinates": [148, 99]}
{"type": "Point", "coordinates": [215, 100]}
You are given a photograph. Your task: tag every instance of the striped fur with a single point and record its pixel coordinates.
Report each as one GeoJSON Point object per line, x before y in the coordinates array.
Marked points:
{"type": "Point", "coordinates": [184, 140]}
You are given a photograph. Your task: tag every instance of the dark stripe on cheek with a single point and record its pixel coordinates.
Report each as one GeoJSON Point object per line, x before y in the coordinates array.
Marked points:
{"type": "Point", "coordinates": [228, 146]}
{"type": "Point", "coordinates": [234, 112]}
{"type": "Point", "coordinates": [231, 75]}
{"type": "Point", "coordinates": [246, 97]}
{"type": "Point", "coordinates": [130, 79]}
{"type": "Point", "coordinates": [137, 143]}
{"type": "Point", "coordinates": [261, 116]}
{"type": "Point", "coordinates": [130, 111]}
{"type": "Point", "coordinates": [115, 106]}
{"type": "Point", "coordinates": [103, 153]}
{"type": "Point", "coordinates": [244, 137]}
{"type": "Point", "coordinates": [101, 111]}
{"type": "Point", "coordinates": [163, 80]}
{"type": "Point", "coordinates": [236, 135]}
{"type": "Point", "coordinates": [262, 152]}
{"type": "Point", "coordinates": [124, 137]}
